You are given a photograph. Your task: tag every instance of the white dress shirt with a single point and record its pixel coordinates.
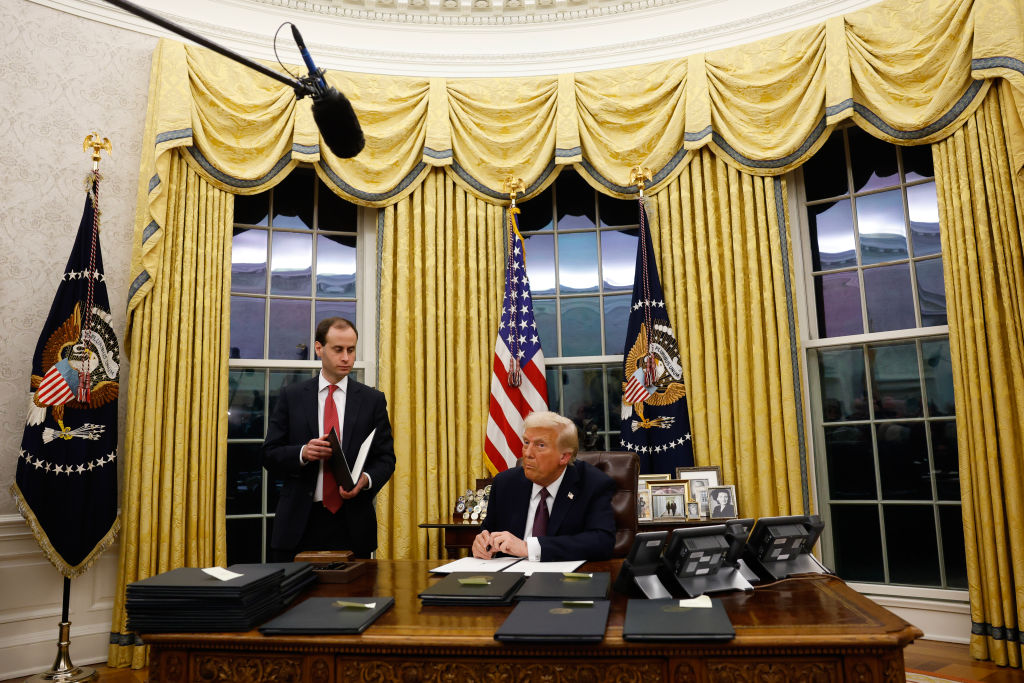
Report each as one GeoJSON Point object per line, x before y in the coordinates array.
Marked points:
{"type": "Point", "coordinates": [339, 403]}
{"type": "Point", "coordinates": [532, 544]}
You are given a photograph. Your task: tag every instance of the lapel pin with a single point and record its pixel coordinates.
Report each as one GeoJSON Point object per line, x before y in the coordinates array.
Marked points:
{"type": "Point", "coordinates": [571, 496]}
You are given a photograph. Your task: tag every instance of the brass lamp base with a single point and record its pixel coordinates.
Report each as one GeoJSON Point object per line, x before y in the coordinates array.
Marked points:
{"type": "Point", "coordinates": [63, 670]}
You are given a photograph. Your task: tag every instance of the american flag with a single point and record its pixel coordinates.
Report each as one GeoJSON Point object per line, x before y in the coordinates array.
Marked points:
{"type": "Point", "coordinates": [518, 385]}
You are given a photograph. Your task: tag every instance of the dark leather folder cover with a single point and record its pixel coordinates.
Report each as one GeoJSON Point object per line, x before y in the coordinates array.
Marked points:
{"type": "Point", "coordinates": [554, 621]}
{"type": "Point", "coordinates": [338, 463]}
{"type": "Point", "coordinates": [664, 620]}
{"type": "Point", "coordinates": [556, 586]}
{"type": "Point", "coordinates": [450, 591]}
{"type": "Point", "coordinates": [319, 615]}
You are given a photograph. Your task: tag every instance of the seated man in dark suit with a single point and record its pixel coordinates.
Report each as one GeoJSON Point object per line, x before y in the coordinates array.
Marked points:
{"type": "Point", "coordinates": [552, 507]}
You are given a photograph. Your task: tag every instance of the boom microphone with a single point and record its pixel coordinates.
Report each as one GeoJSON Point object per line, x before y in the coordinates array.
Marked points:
{"type": "Point", "coordinates": [333, 113]}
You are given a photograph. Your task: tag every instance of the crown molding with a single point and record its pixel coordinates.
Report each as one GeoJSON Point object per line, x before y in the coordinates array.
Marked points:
{"type": "Point", "coordinates": [499, 40]}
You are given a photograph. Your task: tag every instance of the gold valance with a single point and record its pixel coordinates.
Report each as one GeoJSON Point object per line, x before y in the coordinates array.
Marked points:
{"type": "Point", "coordinates": [903, 70]}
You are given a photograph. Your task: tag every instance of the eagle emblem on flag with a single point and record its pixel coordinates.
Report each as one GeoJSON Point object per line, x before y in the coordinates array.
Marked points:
{"type": "Point", "coordinates": [667, 387]}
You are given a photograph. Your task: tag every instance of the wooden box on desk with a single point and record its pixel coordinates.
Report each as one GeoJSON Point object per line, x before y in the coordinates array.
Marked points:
{"type": "Point", "coordinates": [333, 566]}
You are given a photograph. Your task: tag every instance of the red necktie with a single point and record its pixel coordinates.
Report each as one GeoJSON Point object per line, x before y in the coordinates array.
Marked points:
{"type": "Point", "coordinates": [331, 497]}
{"type": "Point", "coordinates": [540, 517]}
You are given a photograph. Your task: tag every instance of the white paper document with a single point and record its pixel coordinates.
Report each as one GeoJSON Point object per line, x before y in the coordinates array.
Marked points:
{"type": "Point", "coordinates": [473, 564]}
{"type": "Point", "coordinates": [361, 456]}
{"type": "Point", "coordinates": [221, 573]}
{"type": "Point", "coordinates": [527, 567]}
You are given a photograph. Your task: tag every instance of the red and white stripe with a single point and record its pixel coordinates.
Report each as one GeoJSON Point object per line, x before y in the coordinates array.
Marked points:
{"type": "Point", "coordinates": [54, 389]}
{"type": "Point", "coordinates": [510, 405]}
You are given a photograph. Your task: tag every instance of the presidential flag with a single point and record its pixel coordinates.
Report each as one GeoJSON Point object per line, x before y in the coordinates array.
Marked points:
{"type": "Point", "coordinates": [655, 423]}
{"type": "Point", "coordinates": [66, 482]}
{"type": "Point", "coordinates": [518, 385]}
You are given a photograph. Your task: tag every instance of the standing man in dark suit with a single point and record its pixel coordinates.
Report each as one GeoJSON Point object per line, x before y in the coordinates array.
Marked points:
{"type": "Point", "coordinates": [552, 507]}
{"type": "Point", "coordinates": [312, 514]}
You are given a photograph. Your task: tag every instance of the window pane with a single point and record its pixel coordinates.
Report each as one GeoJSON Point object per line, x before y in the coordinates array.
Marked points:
{"type": "Point", "coordinates": [293, 200]}
{"type": "Point", "coordinates": [249, 261]}
{"type": "Point", "coordinates": [911, 545]}
{"type": "Point", "coordinates": [824, 173]}
{"type": "Point", "coordinates": [554, 377]}
{"type": "Point", "coordinates": [873, 161]}
{"type": "Point", "coordinates": [244, 540]}
{"type": "Point", "coordinates": [340, 309]}
{"type": "Point", "coordinates": [334, 213]}
{"type": "Point", "coordinates": [252, 209]}
{"type": "Point", "coordinates": [577, 263]}
{"type": "Point", "coordinates": [537, 214]}
{"type": "Point", "coordinates": [289, 330]}
{"type": "Point", "coordinates": [245, 404]}
{"type": "Point", "coordinates": [575, 201]}
{"type": "Point", "coordinates": [931, 292]}
{"type": "Point", "coordinates": [889, 299]}
{"type": "Point", "coordinates": [245, 479]}
{"type": "Point", "coordinates": [945, 460]}
{"type": "Point", "coordinates": [581, 326]}
{"type": "Point", "coordinates": [616, 320]}
{"type": "Point", "coordinates": [851, 462]}
{"type": "Point", "coordinates": [583, 397]}
{"type": "Point", "coordinates": [917, 162]}
{"type": "Point", "coordinates": [923, 209]}
{"type": "Point", "coordinates": [831, 230]}
{"type": "Point", "coordinates": [953, 551]}
{"type": "Point", "coordinates": [335, 265]}
{"type": "Point", "coordinates": [883, 231]}
{"type": "Point", "coordinates": [545, 312]}
{"type": "Point", "coordinates": [246, 327]}
{"type": "Point", "coordinates": [897, 384]}
{"type": "Point", "coordinates": [938, 377]}
{"type": "Point", "coordinates": [614, 400]}
{"type": "Point", "coordinates": [618, 259]}
{"type": "Point", "coordinates": [614, 211]}
{"type": "Point", "coordinates": [838, 297]}
{"type": "Point", "coordinates": [843, 384]}
{"type": "Point", "coordinates": [540, 263]}
{"type": "Point", "coordinates": [903, 461]}
{"type": "Point", "coordinates": [291, 264]}
{"type": "Point", "coordinates": [858, 543]}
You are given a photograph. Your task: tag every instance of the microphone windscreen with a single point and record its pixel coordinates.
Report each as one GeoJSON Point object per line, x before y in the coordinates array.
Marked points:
{"type": "Point", "coordinates": [338, 124]}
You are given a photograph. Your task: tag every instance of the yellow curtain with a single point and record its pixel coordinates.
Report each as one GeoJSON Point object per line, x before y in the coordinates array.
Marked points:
{"type": "Point", "coordinates": [440, 298]}
{"type": "Point", "coordinates": [722, 241]}
{"type": "Point", "coordinates": [174, 483]}
{"type": "Point", "coordinates": [981, 210]}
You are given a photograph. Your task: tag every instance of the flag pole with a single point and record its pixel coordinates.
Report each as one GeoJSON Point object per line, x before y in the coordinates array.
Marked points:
{"type": "Point", "coordinates": [63, 669]}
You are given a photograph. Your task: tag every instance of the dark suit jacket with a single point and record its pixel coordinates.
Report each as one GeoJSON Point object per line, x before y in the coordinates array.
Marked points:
{"type": "Point", "coordinates": [582, 523]}
{"type": "Point", "coordinates": [292, 424]}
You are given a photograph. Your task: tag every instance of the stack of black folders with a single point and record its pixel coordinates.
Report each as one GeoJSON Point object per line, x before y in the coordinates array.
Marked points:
{"type": "Point", "coordinates": [297, 576]}
{"type": "Point", "coordinates": [315, 616]}
{"type": "Point", "coordinates": [559, 607]}
{"type": "Point", "coordinates": [189, 599]}
{"type": "Point", "coordinates": [671, 620]}
{"type": "Point", "coordinates": [473, 589]}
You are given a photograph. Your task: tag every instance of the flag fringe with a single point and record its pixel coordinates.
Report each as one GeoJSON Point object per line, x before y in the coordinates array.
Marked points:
{"type": "Point", "coordinates": [51, 554]}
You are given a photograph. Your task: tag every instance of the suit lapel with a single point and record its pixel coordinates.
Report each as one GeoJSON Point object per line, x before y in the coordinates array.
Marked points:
{"type": "Point", "coordinates": [352, 406]}
{"type": "Point", "coordinates": [568, 492]}
{"type": "Point", "coordinates": [523, 490]}
{"type": "Point", "coordinates": [309, 396]}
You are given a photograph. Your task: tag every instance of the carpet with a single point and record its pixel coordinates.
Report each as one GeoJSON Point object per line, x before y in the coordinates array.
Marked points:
{"type": "Point", "coordinates": [922, 677]}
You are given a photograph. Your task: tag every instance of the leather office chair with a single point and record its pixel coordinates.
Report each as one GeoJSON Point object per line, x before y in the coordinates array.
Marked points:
{"type": "Point", "coordinates": [623, 467]}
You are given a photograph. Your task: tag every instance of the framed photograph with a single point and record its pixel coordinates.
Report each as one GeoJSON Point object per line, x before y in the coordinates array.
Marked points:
{"type": "Point", "coordinates": [644, 479]}
{"type": "Point", "coordinates": [693, 510]}
{"type": "Point", "coordinates": [700, 479]}
{"type": "Point", "coordinates": [722, 502]}
{"type": "Point", "coordinates": [643, 505]}
{"type": "Point", "coordinates": [668, 499]}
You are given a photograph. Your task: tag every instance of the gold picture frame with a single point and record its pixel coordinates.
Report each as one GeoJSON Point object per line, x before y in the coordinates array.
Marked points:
{"type": "Point", "coordinates": [643, 505]}
{"type": "Point", "coordinates": [700, 478]}
{"type": "Point", "coordinates": [668, 499]}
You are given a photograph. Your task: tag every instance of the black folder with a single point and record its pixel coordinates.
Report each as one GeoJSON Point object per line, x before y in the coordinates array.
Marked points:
{"type": "Point", "coordinates": [338, 463]}
{"type": "Point", "coordinates": [473, 588]}
{"type": "Point", "coordinates": [663, 620]}
{"type": "Point", "coordinates": [321, 615]}
{"type": "Point", "coordinates": [555, 621]}
{"type": "Point", "coordinates": [558, 586]}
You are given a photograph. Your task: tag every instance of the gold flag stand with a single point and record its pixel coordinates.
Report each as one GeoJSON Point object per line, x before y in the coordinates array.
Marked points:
{"type": "Point", "coordinates": [63, 670]}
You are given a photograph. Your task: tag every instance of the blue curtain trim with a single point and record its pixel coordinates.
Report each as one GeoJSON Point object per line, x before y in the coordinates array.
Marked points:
{"type": "Point", "coordinates": [149, 231]}
{"type": "Point", "coordinates": [658, 176]}
{"type": "Point", "coordinates": [819, 129]}
{"type": "Point", "coordinates": [305, 149]}
{"type": "Point", "coordinates": [372, 196]}
{"type": "Point", "coordinates": [438, 153]}
{"type": "Point", "coordinates": [943, 121]}
{"type": "Point", "coordinates": [572, 152]}
{"type": "Point", "coordinates": [380, 269]}
{"type": "Point", "coordinates": [169, 135]}
{"type": "Point", "coordinates": [236, 182]}
{"type": "Point", "coordinates": [483, 189]}
{"type": "Point", "coordinates": [154, 182]}
{"type": "Point", "coordinates": [794, 343]}
{"type": "Point", "coordinates": [140, 280]}
{"type": "Point", "coordinates": [1011, 635]}
{"type": "Point", "coordinates": [998, 63]}
{"type": "Point", "coordinates": [700, 135]}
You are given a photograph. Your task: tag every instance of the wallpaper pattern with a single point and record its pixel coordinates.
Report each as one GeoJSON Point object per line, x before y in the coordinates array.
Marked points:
{"type": "Point", "coordinates": [61, 77]}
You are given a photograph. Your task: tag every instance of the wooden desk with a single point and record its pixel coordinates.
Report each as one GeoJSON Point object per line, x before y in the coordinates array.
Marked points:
{"type": "Point", "coordinates": [807, 629]}
{"type": "Point", "coordinates": [458, 535]}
